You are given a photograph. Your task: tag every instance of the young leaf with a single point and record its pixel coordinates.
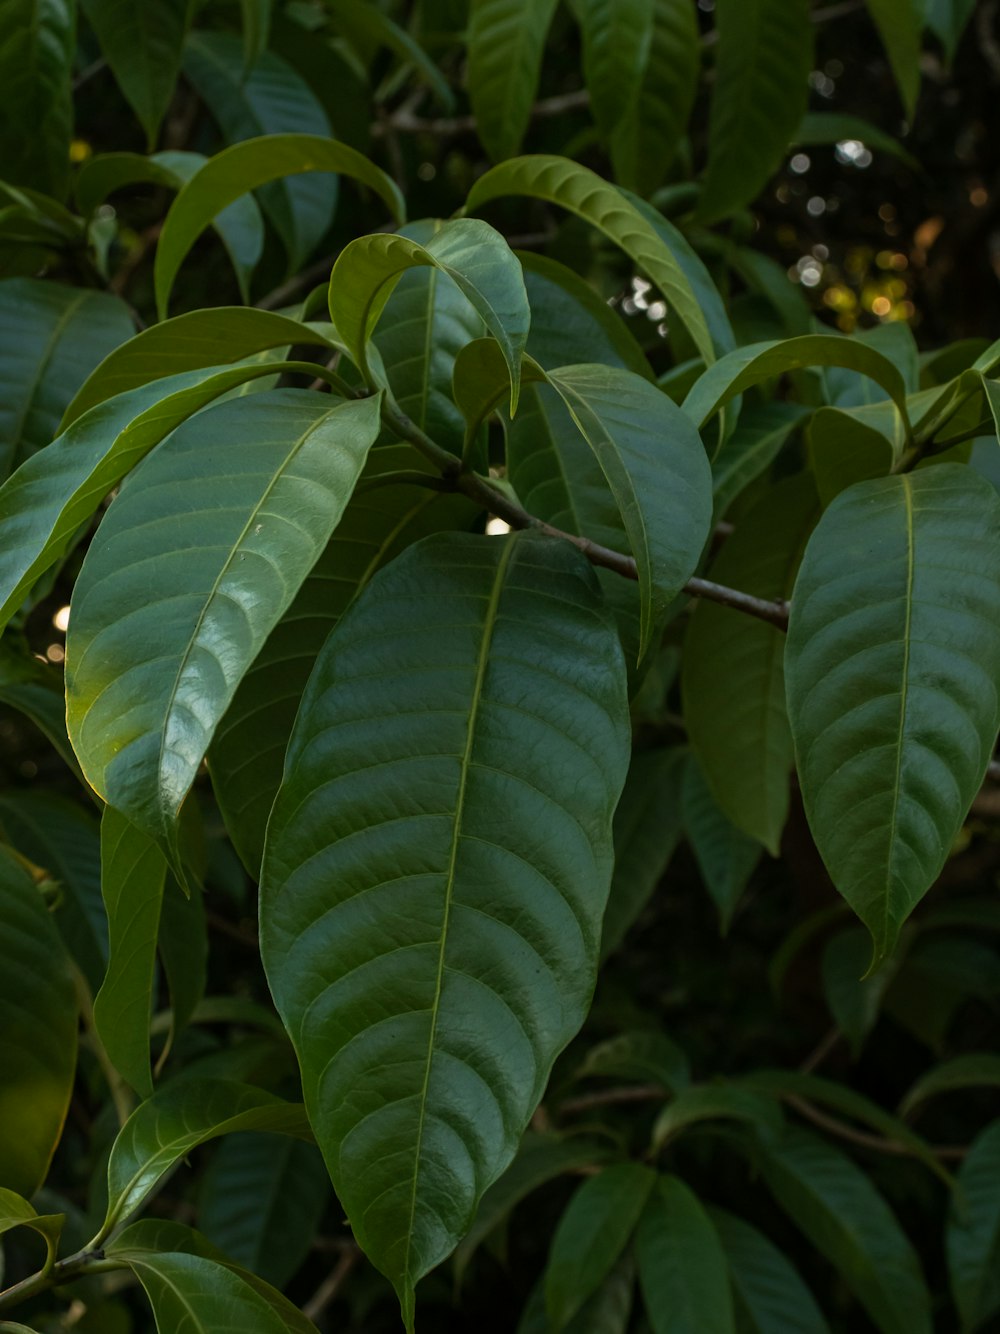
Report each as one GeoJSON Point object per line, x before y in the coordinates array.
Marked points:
{"type": "Point", "coordinates": [591, 1235]}
{"type": "Point", "coordinates": [972, 1235]}
{"type": "Point", "coordinates": [245, 166]}
{"type": "Point", "coordinates": [269, 99]}
{"type": "Point", "coordinates": [474, 256]}
{"type": "Point", "coordinates": [726, 856]}
{"type": "Point", "coordinates": [506, 39]}
{"type": "Point", "coordinates": [899, 23]}
{"type": "Point", "coordinates": [175, 600]}
{"type": "Point", "coordinates": [584, 193]}
{"type": "Point", "coordinates": [741, 737]}
{"type": "Point", "coordinates": [182, 1115]}
{"type": "Point", "coordinates": [141, 41]}
{"type": "Point", "coordinates": [51, 338]}
{"type": "Point", "coordinates": [769, 1293]}
{"type": "Point", "coordinates": [261, 1201]}
{"type": "Point", "coordinates": [891, 663]}
{"type": "Point", "coordinates": [38, 1019]}
{"type": "Point", "coordinates": [429, 713]}
{"type": "Point", "coordinates": [850, 1224]}
{"type": "Point", "coordinates": [760, 95]}
{"type": "Point", "coordinates": [37, 43]}
{"type": "Point", "coordinates": [682, 1267]}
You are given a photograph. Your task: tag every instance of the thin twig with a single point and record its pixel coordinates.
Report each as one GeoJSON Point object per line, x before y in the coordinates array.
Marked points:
{"type": "Point", "coordinates": [821, 1051]}
{"type": "Point", "coordinates": [832, 1124]}
{"type": "Point", "coordinates": [609, 1097]}
{"type": "Point", "coordinates": [284, 293]}
{"type": "Point", "coordinates": [331, 1285]}
{"type": "Point", "coordinates": [405, 122]}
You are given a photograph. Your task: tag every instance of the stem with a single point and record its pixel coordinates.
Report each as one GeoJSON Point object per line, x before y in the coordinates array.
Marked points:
{"type": "Point", "coordinates": [65, 1271]}
{"type": "Point", "coordinates": [834, 1126]}
{"type": "Point", "coordinates": [447, 464]}
{"type": "Point", "coordinates": [331, 1285]}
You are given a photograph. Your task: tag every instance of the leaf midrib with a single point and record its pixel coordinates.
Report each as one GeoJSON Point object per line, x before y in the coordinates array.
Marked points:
{"type": "Point", "coordinates": [903, 703]}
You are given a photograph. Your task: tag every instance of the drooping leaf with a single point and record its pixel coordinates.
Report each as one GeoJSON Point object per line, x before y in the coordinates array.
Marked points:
{"type": "Point", "coordinates": [142, 41]}
{"type": "Point", "coordinates": [616, 40]}
{"type": "Point", "coordinates": [591, 1235]}
{"type": "Point", "coordinates": [38, 1019]}
{"type": "Point", "coordinates": [261, 1201]}
{"type": "Point", "coordinates": [153, 659]}
{"type": "Point", "coordinates": [971, 1070]}
{"type": "Point", "coordinates": [741, 737]}
{"type": "Point", "coordinates": [682, 1266]}
{"type": "Point", "coordinates": [37, 42]}
{"type": "Point", "coordinates": [506, 39]}
{"type": "Point", "coordinates": [726, 856]}
{"type": "Point", "coordinates": [411, 1133]}
{"type": "Point", "coordinates": [246, 166]}
{"type": "Point", "coordinates": [248, 751]}
{"type": "Point", "coordinates": [891, 666]}
{"type": "Point", "coordinates": [972, 1235]}
{"type": "Point", "coordinates": [768, 1290]}
{"type": "Point", "coordinates": [51, 338]}
{"type": "Point", "coordinates": [179, 1117]}
{"type": "Point", "coordinates": [846, 388]}
{"type": "Point", "coordinates": [759, 97]}
{"type": "Point", "coordinates": [584, 193]}
{"type": "Point", "coordinates": [474, 256]}
{"type": "Point", "coordinates": [899, 24]}
{"type": "Point", "coordinates": [758, 439]}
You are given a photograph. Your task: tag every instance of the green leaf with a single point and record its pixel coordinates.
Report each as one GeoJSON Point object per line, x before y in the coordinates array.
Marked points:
{"type": "Point", "coordinates": [716, 1102]}
{"type": "Point", "coordinates": [608, 1311]}
{"type": "Point", "coordinates": [847, 447]}
{"type": "Point", "coordinates": [976, 1069]}
{"type": "Point", "coordinates": [899, 23]}
{"type": "Point", "coordinates": [38, 1020]}
{"type": "Point", "coordinates": [682, 1267]}
{"type": "Point", "coordinates": [759, 436]}
{"type": "Point", "coordinates": [17, 1212]}
{"type": "Point", "coordinates": [726, 856]}
{"type": "Point", "coordinates": [591, 1235]}
{"type": "Point", "coordinates": [372, 25]}
{"type": "Point", "coordinates": [972, 1235]}
{"type": "Point", "coordinates": [657, 471]}
{"type": "Point", "coordinates": [442, 719]}
{"type": "Point", "coordinates": [825, 127]}
{"type": "Point", "coordinates": [153, 659]}
{"type": "Point", "coordinates": [261, 1201]}
{"type": "Point", "coordinates": [641, 1056]}
{"type": "Point", "coordinates": [939, 976]}
{"type": "Point", "coordinates": [765, 277]}
{"type": "Point", "coordinates": [847, 389]}
{"type": "Point", "coordinates": [658, 100]}
{"type": "Point", "coordinates": [769, 1293]}
{"type": "Point", "coordinates": [506, 39]}
{"type": "Point", "coordinates": [183, 948]}
{"type": "Point", "coordinates": [764, 361]}
{"type": "Point", "coordinates": [854, 1000]}
{"type": "Point", "coordinates": [647, 830]}
{"type": "Point", "coordinates": [248, 752]}
{"type": "Point", "coordinates": [469, 252]}
{"type": "Point", "coordinates": [270, 99]}
{"type": "Point", "coordinates": [759, 97]}
{"type": "Point", "coordinates": [35, 690]}
{"type": "Point", "coordinates": [741, 737]}
{"type": "Point", "coordinates": [142, 41]}
{"type": "Point", "coordinates": [245, 166]}
{"type": "Point", "coordinates": [838, 1209]}
{"type": "Point", "coordinates": [163, 1130]}
{"type": "Point", "coordinates": [539, 1159]}
{"type": "Point", "coordinates": [132, 877]}
{"type": "Point", "coordinates": [892, 658]}
{"type": "Point", "coordinates": [203, 1296]}
{"type": "Point", "coordinates": [43, 506]}
{"type": "Point", "coordinates": [948, 19]}
{"type": "Point", "coordinates": [256, 30]}
{"type": "Point", "coordinates": [240, 226]}
{"type": "Point", "coordinates": [584, 193]}
{"type": "Point", "coordinates": [37, 44]}
{"type": "Point", "coordinates": [51, 338]}
{"type": "Point", "coordinates": [616, 40]}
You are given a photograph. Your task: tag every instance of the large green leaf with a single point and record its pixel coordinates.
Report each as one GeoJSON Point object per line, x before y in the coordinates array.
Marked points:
{"type": "Point", "coordinates": [51, 338]}
{"type": "Point", "coordinates": [846, 1219]}
{"type": "Point", "coordinates": [245, 166]}
{"type": "Point", "coordinates": [899, 23]}
{"type": "Point", "coordinates": [741, 736]}
{"type": "Point", "coordinates": [176, 597]}
{"type": "Point", "coordinates": [37, 43]}
{"type": "Point", "coordinates": [132, 877]}
{"type": "Point", "coordinates": [43, 506]}
{"type": "Point", "coordinates": [584, 193]}
{"type": "Point", "coordinates": [202, 1296]}
{"type": "Point", "coordinates": [261, 1201]}
{"type": "Point", "coordinates": [972, 1236]}
{"type": "Point", "coordinates": [269, 99]}
{"type": "Point", "coordinates": [768, 1290]}
{"type": "Point", "coordinates": [141, 41]}
{"type": "Point", "coordinates": [891, 666]}
{"type": "Point", "coordinates": [38, 1020]}
{"type": "Point", "coordinates": [474, 256]}
{"type": "Point", "coordinates": [428, 715]}
{"type": "Point", "coordinates": [682, 1266]}
{"type": "Point", "coordinates": [759, 97]}
{"type": "Point", "coordinates": [506, 39]}
{"type": "Point", "coordinates": [163, 1130]}
{"type": "Point", "coordinates": [248, 752]}
{"type": "Point", "coordinates": [848, 447]}
{"type": "Point", "coordinates": [591, 1235]}
{"type": "Point", "coordinates": [616, 39]}
{"type": "Point", "coordinates": [658, 100]}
